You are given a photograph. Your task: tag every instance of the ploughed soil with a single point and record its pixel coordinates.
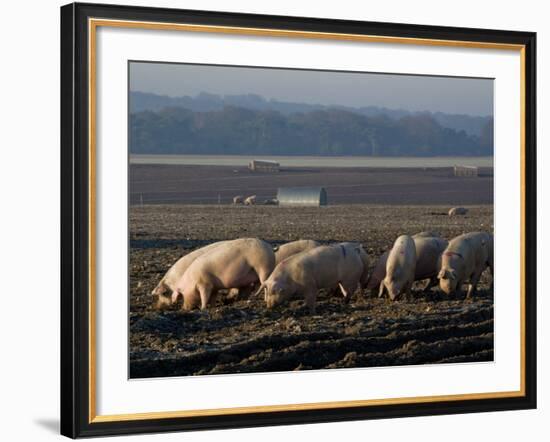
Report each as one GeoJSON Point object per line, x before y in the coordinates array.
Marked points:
{"type": "Point", "coordinates": [242, 336]}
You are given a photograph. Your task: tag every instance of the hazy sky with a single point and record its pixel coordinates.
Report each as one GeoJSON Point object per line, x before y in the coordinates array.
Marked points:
{"type": "Point", "coordinates": [409, 92]}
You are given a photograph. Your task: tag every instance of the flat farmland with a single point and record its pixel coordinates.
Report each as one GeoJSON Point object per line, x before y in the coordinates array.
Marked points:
{"type": "Point", "coordinates": [200, 184]}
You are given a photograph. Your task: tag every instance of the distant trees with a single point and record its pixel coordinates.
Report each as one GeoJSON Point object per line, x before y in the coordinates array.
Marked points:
{"type": "Point", "coordinates": [331, 131]}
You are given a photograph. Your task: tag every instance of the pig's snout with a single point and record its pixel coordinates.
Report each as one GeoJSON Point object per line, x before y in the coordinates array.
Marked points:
{"type": "Point", "coordinates": [163, 302]}
{"type": "Point", "coordinates": [447, 286]}
{"type": "Point", "coordinates": [393, 292]}
{"type": "Point", "coordinates": [270, 301]}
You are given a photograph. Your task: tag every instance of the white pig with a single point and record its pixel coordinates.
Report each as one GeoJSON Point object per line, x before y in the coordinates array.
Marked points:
{"type": "Point", "coordinates": [324, 267]}
{"type": "Point", "coordinates": [464, 260]}
{"type": "Point", "coordinates": [458, 211]}
{"type": "Point", "coordinates": [168, 282]}
{"type": "Point", "coordinates": [294, 247]}
{"type": "Point", "coordinates": [234, 264]}
{"type": "Point", "coordinates": [250, 201]}
{"type": "Point", "coordinates": [429, 246]}
{"type": "Point", "coordinates": [364, 259]}
{"type": "Point", "coordinates": [400, 268]}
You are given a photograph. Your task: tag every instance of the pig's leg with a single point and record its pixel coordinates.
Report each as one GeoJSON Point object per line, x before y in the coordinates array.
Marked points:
{"type": "Point", "coordinates": [458, 289]}
{"type": "Point", "coordinates": [311, 299]}
{"type": "Point", "coordinates": [190, 299]}
{"type": "Point", "coordinates": [214, 295]}
{"type": "Point", "coordinates": [381, 289]}
{"type": "Point", "coordinates": [347, 291]}
{"type": "Point", "coordinates": [474, 279]}
{"type": "Point", "coordinates": [470, 292]}
{"type": "Point", "coordinates": [262, 273]}
{"type": "Point", "coordinates": [205, 291]}
{"type": "Point", "coordinates": [408, 292]}
{"type": "Point", "coordinates": [431, 283]}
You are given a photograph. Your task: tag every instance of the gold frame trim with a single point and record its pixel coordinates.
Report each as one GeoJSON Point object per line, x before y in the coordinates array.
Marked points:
{"type": "Point", "coordinates": [93, 24]}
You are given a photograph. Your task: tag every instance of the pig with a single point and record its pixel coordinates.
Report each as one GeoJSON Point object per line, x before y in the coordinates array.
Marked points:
{"type": "Point", "coordinates": [464, 260]}
{"type": "Point", "coordinates": [458, 211]}
{"type": "Point", "coordinates": [428, 255]}
{"type": "Point", "coordinates": [235, 264]}
{"type": "Point", "coordinates": [250, 201]}
{"type": "Point", "coordinates": [400, 268]}
{"type": "Point", "coordinates": [170, 279]}
{"type": "Point", "coordinates": [294, 247]}
{"type": "Point", "coordinates": [364, 259]}
{"type": "Point", "coordinates": [324, 267]}
{"type": "Point", "coordinates": [239, 199]}
{"type": "Point", "coordinates": [378, 273]}
{"type": "Point", "coordinates": [429, 246]}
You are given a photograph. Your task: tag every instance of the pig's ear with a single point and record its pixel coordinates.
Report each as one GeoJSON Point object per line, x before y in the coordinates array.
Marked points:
{"type": "Point", "coordinates": [175, 295]}
{"type": "Point", "coordinates": [160, 289]}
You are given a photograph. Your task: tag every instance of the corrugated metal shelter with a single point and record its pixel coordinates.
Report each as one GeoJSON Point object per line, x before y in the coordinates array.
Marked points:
{"type": "Point", "coordinates": [302, 196]}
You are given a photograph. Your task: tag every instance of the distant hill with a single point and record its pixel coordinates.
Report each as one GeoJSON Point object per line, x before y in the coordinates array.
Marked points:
{"type": "Point", "coordinates": [204, 102]}
{"type": "Point", "coordinates": [231, 129]}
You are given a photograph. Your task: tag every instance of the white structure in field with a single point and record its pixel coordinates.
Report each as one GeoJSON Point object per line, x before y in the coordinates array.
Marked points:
{"type": "Point", "coordinates": [263, 166]}
{"type": "Point", "coordinates": [466, 171]}
{"type": "Point", "coordinates": [302, 196]}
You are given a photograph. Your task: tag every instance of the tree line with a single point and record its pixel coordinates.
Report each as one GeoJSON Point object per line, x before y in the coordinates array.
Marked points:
{"type": "Point", "coordinates": [332, 131]}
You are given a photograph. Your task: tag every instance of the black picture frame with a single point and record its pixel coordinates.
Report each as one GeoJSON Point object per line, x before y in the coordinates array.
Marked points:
{"type": "Point", "coordinates": [75, 220]}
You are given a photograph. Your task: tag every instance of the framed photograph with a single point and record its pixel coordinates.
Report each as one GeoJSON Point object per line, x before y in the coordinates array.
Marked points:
{"type": "Point", "coordinates": [274, 220]}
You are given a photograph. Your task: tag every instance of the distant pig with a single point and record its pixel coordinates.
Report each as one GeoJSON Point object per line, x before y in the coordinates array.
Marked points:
{"type": "Point", "coordinates": [239, 199]}
{"type": "Point", "coordinates": [234, 264]}
{"type": "Point", "coordinates": [294, 247]}
{"type": "Point", "coordinates": [400, 268]}
{"type": "Point", "coordinates": [168, 283]}
{"type": "Point", "coordinates": [464, 260]}
{"type": "Point", "coordinates": [250, 201]}
{"type": "Point", "coordinates": [324, 267]}
{"type": "Point", "coordinates": [458, 211]}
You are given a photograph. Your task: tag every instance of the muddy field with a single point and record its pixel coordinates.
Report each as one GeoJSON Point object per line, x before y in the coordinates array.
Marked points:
{"type": "Point", "coordinates": [241, 336]}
